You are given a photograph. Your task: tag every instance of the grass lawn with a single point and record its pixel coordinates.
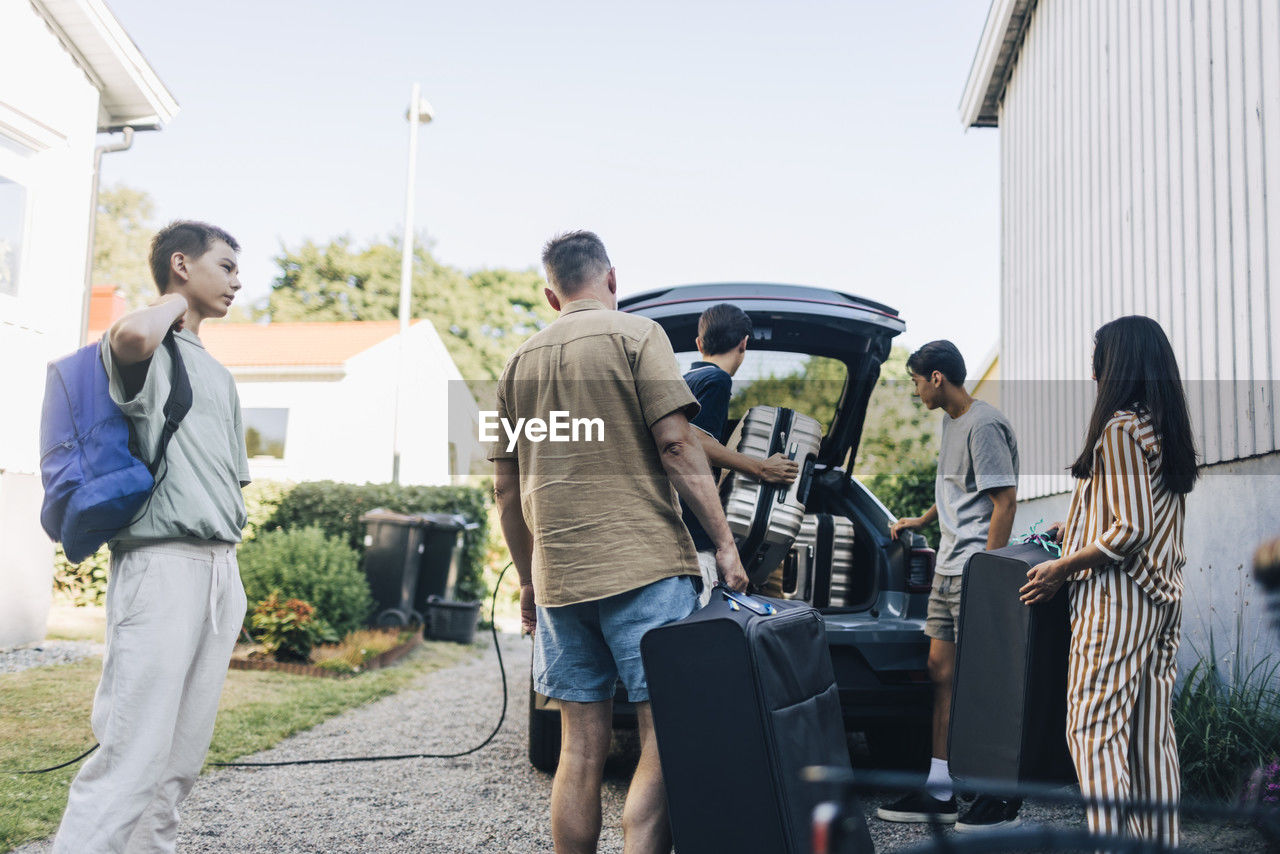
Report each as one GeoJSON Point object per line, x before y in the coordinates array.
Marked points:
{"type": "Point", "coordinates": [44, 720]}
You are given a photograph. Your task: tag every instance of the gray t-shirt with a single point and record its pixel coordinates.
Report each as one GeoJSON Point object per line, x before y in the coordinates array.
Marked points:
{"type": "Point", "coordinates": [979, 453]}
{"type": "Point", "coordinates": [206, 464]}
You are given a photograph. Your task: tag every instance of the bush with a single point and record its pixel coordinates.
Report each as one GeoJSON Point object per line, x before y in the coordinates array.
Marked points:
{"type": "Point", "coordinates": [288, 630]}
{"type": "Point", "coordinates": [306, 564]}
{"type": "Point", "coordinates": [261, 499]}
{"type": "Point", "coordinates": [85, 583]}
{"type": "Point", "coordinates": [1225, 730]}
{"type": "Point", "coordinates": [336, 508]}
{"type": "Point", "coordinates": [908, 492]}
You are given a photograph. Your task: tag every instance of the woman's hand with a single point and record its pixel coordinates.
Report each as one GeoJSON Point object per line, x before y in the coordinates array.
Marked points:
{"type": "Point", "coordinates": [1043, 581]}
{"type": "Point", "coordinates": [1057, 531]}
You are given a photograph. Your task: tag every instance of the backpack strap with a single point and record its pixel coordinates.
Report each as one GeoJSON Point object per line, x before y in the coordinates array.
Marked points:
{"type": "Point", "coordinates": [178, 404]}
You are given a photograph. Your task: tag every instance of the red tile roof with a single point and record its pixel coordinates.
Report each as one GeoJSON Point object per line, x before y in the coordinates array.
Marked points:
{"type": "Point", "coordinates": [295, 344]}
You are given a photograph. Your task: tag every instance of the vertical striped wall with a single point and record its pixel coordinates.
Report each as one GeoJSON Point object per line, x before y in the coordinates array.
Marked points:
{"type": "Point", "coordinates": [1140, 161]}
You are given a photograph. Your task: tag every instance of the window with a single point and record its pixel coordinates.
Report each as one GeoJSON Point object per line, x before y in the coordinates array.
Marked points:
{"type": "Point", "coordinates": [808, 384]}
{"type": "Point", "coordinates": [264, 432]}
{"type": "Point", "coordinates": [13, 220]}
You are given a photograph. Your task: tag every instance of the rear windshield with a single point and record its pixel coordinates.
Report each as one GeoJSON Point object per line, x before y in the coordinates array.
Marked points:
{"type": "Point", "coordinates": [808, 384]}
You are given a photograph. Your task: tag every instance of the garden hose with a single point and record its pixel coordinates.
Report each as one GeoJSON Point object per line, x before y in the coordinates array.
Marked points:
{"type": "Point", "coordinates": [63, 765]}
{"type": "Point", "coordinates": [493, 629]}
{"type": "Point", "coordinates": [502, 717]}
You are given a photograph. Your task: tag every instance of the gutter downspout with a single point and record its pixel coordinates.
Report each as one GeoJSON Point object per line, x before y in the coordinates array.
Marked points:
{"type": "Point", "coordinates": [122, 145]}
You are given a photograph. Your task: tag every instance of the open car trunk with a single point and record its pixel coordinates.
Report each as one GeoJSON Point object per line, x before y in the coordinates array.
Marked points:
{"type": "Point", "coordinates": [813, 322]}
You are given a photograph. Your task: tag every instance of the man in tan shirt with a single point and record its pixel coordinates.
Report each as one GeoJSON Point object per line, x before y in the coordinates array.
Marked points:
{"type": "Point", "coordinates": [595, 447]}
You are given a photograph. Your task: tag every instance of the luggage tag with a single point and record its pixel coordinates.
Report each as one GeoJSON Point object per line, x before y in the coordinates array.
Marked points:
{"type": "Point", "coordinates": [738, 601]}
{"type": "Point", "coordinates": [1043, 539]}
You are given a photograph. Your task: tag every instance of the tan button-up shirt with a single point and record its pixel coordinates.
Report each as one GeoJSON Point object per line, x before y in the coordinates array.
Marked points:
{"type": "Point", "coordinates": [604, 515]}
{"type": "Point", "coordinates": [1126, 510]}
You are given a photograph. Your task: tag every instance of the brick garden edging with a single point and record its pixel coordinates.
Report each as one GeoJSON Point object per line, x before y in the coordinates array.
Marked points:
{"type": "Point", "coordinates": [385, 659]}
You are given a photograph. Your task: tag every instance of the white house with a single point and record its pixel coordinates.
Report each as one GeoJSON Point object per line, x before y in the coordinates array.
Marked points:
{"type": "Point", "coordinates": [68, 71]}
{"type": "Point", "coordinates": [319, 401]}
{"type": "Point", "coordinates": [1140, 174]}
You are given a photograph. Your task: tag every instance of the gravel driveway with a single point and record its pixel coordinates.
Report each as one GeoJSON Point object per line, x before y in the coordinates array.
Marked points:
{"type": "Point", "coordinates": [490, 801]}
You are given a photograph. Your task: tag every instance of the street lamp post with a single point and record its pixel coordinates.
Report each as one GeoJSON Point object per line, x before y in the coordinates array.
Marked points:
{"type": "Point", "coordinates": [420, 112]}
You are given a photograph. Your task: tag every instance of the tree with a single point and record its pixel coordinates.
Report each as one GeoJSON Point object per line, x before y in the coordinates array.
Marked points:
{"type": "Point", "coordinates": [897, 453]}
{"type": "Point", "coordinates": [814, 390]}
{"type": "Point", "coordinates": [481, 317]}
{"type": "Point", "coordinates": [122, 242]}
{"type": "Point", "coordinates": [898, 436]}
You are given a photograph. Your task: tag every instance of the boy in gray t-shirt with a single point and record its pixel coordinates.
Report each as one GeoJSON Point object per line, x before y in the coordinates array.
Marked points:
{"type": "Point", "coordinates": [174, 599]}
{"type": "Point", "coordinates": [974, 504]}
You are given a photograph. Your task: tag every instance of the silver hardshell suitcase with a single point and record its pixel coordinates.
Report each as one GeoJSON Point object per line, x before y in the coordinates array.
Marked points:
{"type": "Point", "coordinates": [823, 557]}
{"type": "Point", "coordinates": [765, 518]}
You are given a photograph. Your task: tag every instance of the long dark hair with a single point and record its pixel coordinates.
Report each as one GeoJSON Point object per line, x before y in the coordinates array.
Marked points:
{"type": "Point", "coordinates": [1136, 370]}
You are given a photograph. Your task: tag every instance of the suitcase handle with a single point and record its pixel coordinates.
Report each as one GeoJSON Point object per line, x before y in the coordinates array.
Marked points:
{"type": "Point", "coordinates": [737, 600]}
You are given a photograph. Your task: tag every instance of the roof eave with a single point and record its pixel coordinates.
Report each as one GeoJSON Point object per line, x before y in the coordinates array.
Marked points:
{"type": "Point", "coordinates": [993, 62]}
{"type": "Point", "coordinates": [132, 94]}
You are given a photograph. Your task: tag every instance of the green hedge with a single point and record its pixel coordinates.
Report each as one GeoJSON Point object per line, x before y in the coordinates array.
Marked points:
{"type": "Point", "coordinates": [304, 563]}
{"type": "Point", "coordinates": [908, 492]}
{"type": "Point", "coordinates": [85, 583]}
{"type": "Point", "coordinates": [336, 508]}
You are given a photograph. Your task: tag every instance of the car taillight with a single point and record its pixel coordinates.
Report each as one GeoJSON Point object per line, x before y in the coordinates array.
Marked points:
{"type": "Point", "coordinates": [920, 569]}
{"type": "Point", "coordinates": [824, 820]}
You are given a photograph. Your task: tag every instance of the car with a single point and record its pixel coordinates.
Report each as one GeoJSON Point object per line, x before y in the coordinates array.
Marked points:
{"type": "Point", "coordinates": [878, 648]}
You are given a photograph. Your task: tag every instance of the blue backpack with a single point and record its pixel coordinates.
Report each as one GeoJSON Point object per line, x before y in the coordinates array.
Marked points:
{"type": "Point", "coordinates": [95, 480]}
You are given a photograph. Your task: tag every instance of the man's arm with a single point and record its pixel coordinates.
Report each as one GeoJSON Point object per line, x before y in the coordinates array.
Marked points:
{"type": "Point", "coordinates": [506, 493]}
{"type": "Point", "coordinates": [686, 464]}
{"type": "Point", "coordinates": [776, 469]}
{"type": "Point", "coordinates": [915, 523]}
{"type": "Point", "coordinates": [135, 337]}
{"type": "Point", "coordinates": [1004, 506]}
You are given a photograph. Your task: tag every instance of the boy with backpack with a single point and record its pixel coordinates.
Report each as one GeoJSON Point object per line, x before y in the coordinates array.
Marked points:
{"type": "Point", "coordinates": [175, 604]}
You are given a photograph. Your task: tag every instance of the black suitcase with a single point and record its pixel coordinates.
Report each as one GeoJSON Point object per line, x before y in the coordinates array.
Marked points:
{"type": "Point", "coordinates": [742, 701]}
{"type": "Point", "coordinates": [1009, 696]}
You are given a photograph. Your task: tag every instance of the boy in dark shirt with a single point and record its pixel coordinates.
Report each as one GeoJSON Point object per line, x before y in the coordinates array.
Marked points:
{"type": "Point", "coordinates": [723, 332]}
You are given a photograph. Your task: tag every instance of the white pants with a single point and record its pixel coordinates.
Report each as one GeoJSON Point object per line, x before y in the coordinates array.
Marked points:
{"type": "Point", "coordinates": [174, 610]}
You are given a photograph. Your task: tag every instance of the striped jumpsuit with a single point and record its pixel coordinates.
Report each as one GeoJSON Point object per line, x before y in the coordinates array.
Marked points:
{"type": "Point", "coordinates": [1126, 621]}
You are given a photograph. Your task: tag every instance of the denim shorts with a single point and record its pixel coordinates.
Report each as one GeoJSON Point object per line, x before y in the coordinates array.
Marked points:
{"type": "Point", "coordinates": [580, 651]}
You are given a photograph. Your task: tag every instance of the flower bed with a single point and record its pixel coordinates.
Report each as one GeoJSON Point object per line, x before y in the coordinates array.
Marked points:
{"type": "Point", "coordinates": [350, 655]}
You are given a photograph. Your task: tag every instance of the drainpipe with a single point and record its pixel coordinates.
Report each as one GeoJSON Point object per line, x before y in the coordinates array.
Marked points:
{"type": "Point", "coordinates": [122, 145]}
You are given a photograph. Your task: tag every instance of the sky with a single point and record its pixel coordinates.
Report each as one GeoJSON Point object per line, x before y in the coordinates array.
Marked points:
{"type": "Point", "coordinates": [812, 143]}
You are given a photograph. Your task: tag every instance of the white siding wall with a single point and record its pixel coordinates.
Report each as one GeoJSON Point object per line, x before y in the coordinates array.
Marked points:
{"type": "Point", "coordinates": [43, 91]}
{"type": "Point", "coordinates": [1140, 169]}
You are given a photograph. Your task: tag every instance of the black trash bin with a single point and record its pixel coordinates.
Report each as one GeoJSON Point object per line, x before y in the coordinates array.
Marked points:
{"type": "Point", "coordinates": [452, 621]}
{"type": "Point", "coordinates": [442, 544]}
{"type": "Point", "coordinates": [394, 547]}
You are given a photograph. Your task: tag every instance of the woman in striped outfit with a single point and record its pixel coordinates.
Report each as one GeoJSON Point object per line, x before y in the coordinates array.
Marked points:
{"type": "Point", "coordinates": [1123, 553]}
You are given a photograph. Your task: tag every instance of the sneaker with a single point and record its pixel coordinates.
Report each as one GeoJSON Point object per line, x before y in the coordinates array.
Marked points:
{"type": "Point", "coordinates": [920, 807]}
{"type": "Point", "coordinates": [988, 813]}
